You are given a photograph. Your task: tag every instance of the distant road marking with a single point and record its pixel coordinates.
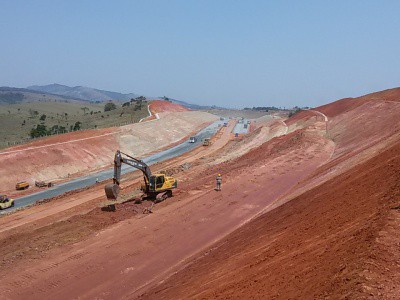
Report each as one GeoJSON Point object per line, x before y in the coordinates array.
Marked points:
{"type": "Point", "coordinates": [287, 127]}
{"type": "Point", "coordinates": [318, 112]}
{"type": "Point", "coordinates": [150, 114]}
{"type": "Point", "coordinates": [283, 122]}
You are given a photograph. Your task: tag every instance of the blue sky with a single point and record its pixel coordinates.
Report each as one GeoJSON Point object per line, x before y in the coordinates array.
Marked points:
{"type": "Point", "coordinates": [230, 53]}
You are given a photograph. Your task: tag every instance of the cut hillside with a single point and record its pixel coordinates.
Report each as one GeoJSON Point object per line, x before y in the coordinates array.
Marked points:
{"type": "Point", "coordinates": [332, 235]}
{"type": "Point", "coordinates": [331, 242]}
{"type": "Point", "coordinates": [160, 106]}
{"type": "Point", "coordinates": [309, 209]}
{"type": "Point", "coordinates": [147, 248]}
{"type": "Point", "coordinates": [341, 106]}
{"type": "Point", "coordinates": [59, 156]}
{"type": "Point", "coordinates": [358, 133]}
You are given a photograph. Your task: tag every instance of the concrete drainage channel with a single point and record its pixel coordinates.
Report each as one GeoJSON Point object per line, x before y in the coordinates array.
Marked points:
{"type": "Point", "coordinates": [89, 180]}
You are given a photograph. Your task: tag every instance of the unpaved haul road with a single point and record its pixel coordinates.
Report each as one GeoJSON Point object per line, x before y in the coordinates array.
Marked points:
{"type": "Point", "coordinates": [89, 180]}
{"type": "Point", "coordinates": [124, 260]}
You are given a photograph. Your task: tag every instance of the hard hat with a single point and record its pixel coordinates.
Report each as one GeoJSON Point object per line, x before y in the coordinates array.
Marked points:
{"type": "Point", "coordinates": [219, 174]}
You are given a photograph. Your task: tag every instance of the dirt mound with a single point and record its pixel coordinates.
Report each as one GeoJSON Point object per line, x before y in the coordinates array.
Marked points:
{"type": "Point", "coordinates": [159, 106]}
{"type": "Point", "coordinates": [325, 243]}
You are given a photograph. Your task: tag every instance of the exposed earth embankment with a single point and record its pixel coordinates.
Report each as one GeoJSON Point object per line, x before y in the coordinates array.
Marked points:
{"type": "Point", "coordinates": [61, 156]}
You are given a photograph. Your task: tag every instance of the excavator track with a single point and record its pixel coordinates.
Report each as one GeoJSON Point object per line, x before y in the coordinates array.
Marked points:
{"type": "Point", "coordinates": [163, 196]}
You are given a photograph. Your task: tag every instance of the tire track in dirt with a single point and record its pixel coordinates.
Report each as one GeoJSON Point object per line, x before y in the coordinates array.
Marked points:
{"type": "Point", "coordinates": [182, 227]}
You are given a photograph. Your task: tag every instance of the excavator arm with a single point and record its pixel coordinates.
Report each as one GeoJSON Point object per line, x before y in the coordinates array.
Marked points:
{"type": "Point", "coordinates": [131, 161]}
{"type": "Point", "coordinates": [112, 190]}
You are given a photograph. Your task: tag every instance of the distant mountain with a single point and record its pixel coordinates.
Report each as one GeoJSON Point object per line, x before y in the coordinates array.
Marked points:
{"type": "Point", "coordinates": [11, 95]}
{"type": "Point", "coordinates": [82, 92]}
{"type": "Point", "coordinates": [91, 94]}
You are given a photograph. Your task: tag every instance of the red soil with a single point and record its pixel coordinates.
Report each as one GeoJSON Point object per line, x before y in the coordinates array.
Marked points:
{"type": "Point", "coordinates": [335, 236]}
{"type": "Point", "coordinates": [302, 117]}
{"type": "Point", "coordinates": [63, 138]}
{"type": "Point", "coordinates": [60, 157]}
{"type": "Point", "coordinates": [344, 105]}
{"type": "Point", "coordinates": [336, 240]}
{"type": "Point", "coordinates": [141, 250]}
{"type": "Point", "coordinates": [330, 242]}
{"type": "Point", "coordinates": [159, 106]}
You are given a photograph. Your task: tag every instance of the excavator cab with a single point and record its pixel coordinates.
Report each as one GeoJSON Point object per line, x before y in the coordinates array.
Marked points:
{"type": "Point", "coordinates": [160, 183]}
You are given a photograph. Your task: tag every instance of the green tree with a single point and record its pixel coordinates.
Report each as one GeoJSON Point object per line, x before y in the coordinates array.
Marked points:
{"type": "Point", "coordinates": [109, 106]}
{"type": "Point", "coordinates": [85, 109]}
{"type": "Point", "coordinates": [40, 130]}
{"type": "Point", "coordinates": [33, 113]}
{"type": "Point", "coordinates": [42, 117]}
{"type": "Point", "coordinates": [77, 126]}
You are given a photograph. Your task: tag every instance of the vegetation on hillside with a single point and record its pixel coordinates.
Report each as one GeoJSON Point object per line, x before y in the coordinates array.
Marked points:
{"type": "Point", "coordinates": [23, 121]}
{"type": "Point", "coordinates": [11, 97]}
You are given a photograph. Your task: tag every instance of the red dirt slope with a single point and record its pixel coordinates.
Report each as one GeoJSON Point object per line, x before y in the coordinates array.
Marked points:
{"type": "Point", "coordinates": [341, 106]}
{"type": "Point", "coordinates": [159, 106]}
{"type": "Point", "coordinates": [59, 157]}
{"type": "Point", "coordinates": [331, 242]}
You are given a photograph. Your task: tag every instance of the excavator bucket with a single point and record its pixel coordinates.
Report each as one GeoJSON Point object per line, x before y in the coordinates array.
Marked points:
{"type": "Point", "coordinates": [112, 191]}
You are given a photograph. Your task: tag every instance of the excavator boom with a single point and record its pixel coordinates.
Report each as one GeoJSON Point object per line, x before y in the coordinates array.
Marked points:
{"type": "Point", "coordinates": [112, 190]}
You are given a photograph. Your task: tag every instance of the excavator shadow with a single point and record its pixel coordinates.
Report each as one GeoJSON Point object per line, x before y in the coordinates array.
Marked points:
{"type": "Point", "coordinates": [109, 208]}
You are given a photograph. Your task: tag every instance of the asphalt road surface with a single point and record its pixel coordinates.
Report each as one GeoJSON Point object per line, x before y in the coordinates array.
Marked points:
{"type": "Point", "coordinates": [240, 127]}
{"type": "Point", "coordinates": [89, 180]}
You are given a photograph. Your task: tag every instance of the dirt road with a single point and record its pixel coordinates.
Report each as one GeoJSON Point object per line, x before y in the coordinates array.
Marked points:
{"type": "Point", "coordinates": [141, 251]}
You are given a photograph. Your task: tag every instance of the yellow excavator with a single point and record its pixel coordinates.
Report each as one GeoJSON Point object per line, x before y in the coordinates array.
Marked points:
{"type": "Point", "coordinates": [156, 186]}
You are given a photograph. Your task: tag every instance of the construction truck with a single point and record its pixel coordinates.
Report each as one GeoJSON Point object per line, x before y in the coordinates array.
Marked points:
{"type": "Point", "coordinates": [43, 184]}
{"type": "Point", "coordinates": [156, 186]}
{"type": "Point", "coordinates": [22, 185]}
{"type": "Point", "coordinates": [207, 142]}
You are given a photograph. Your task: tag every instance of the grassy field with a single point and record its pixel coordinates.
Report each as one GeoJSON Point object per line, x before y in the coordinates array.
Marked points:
{"type": "Point", "coordinates": [17, 120]}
